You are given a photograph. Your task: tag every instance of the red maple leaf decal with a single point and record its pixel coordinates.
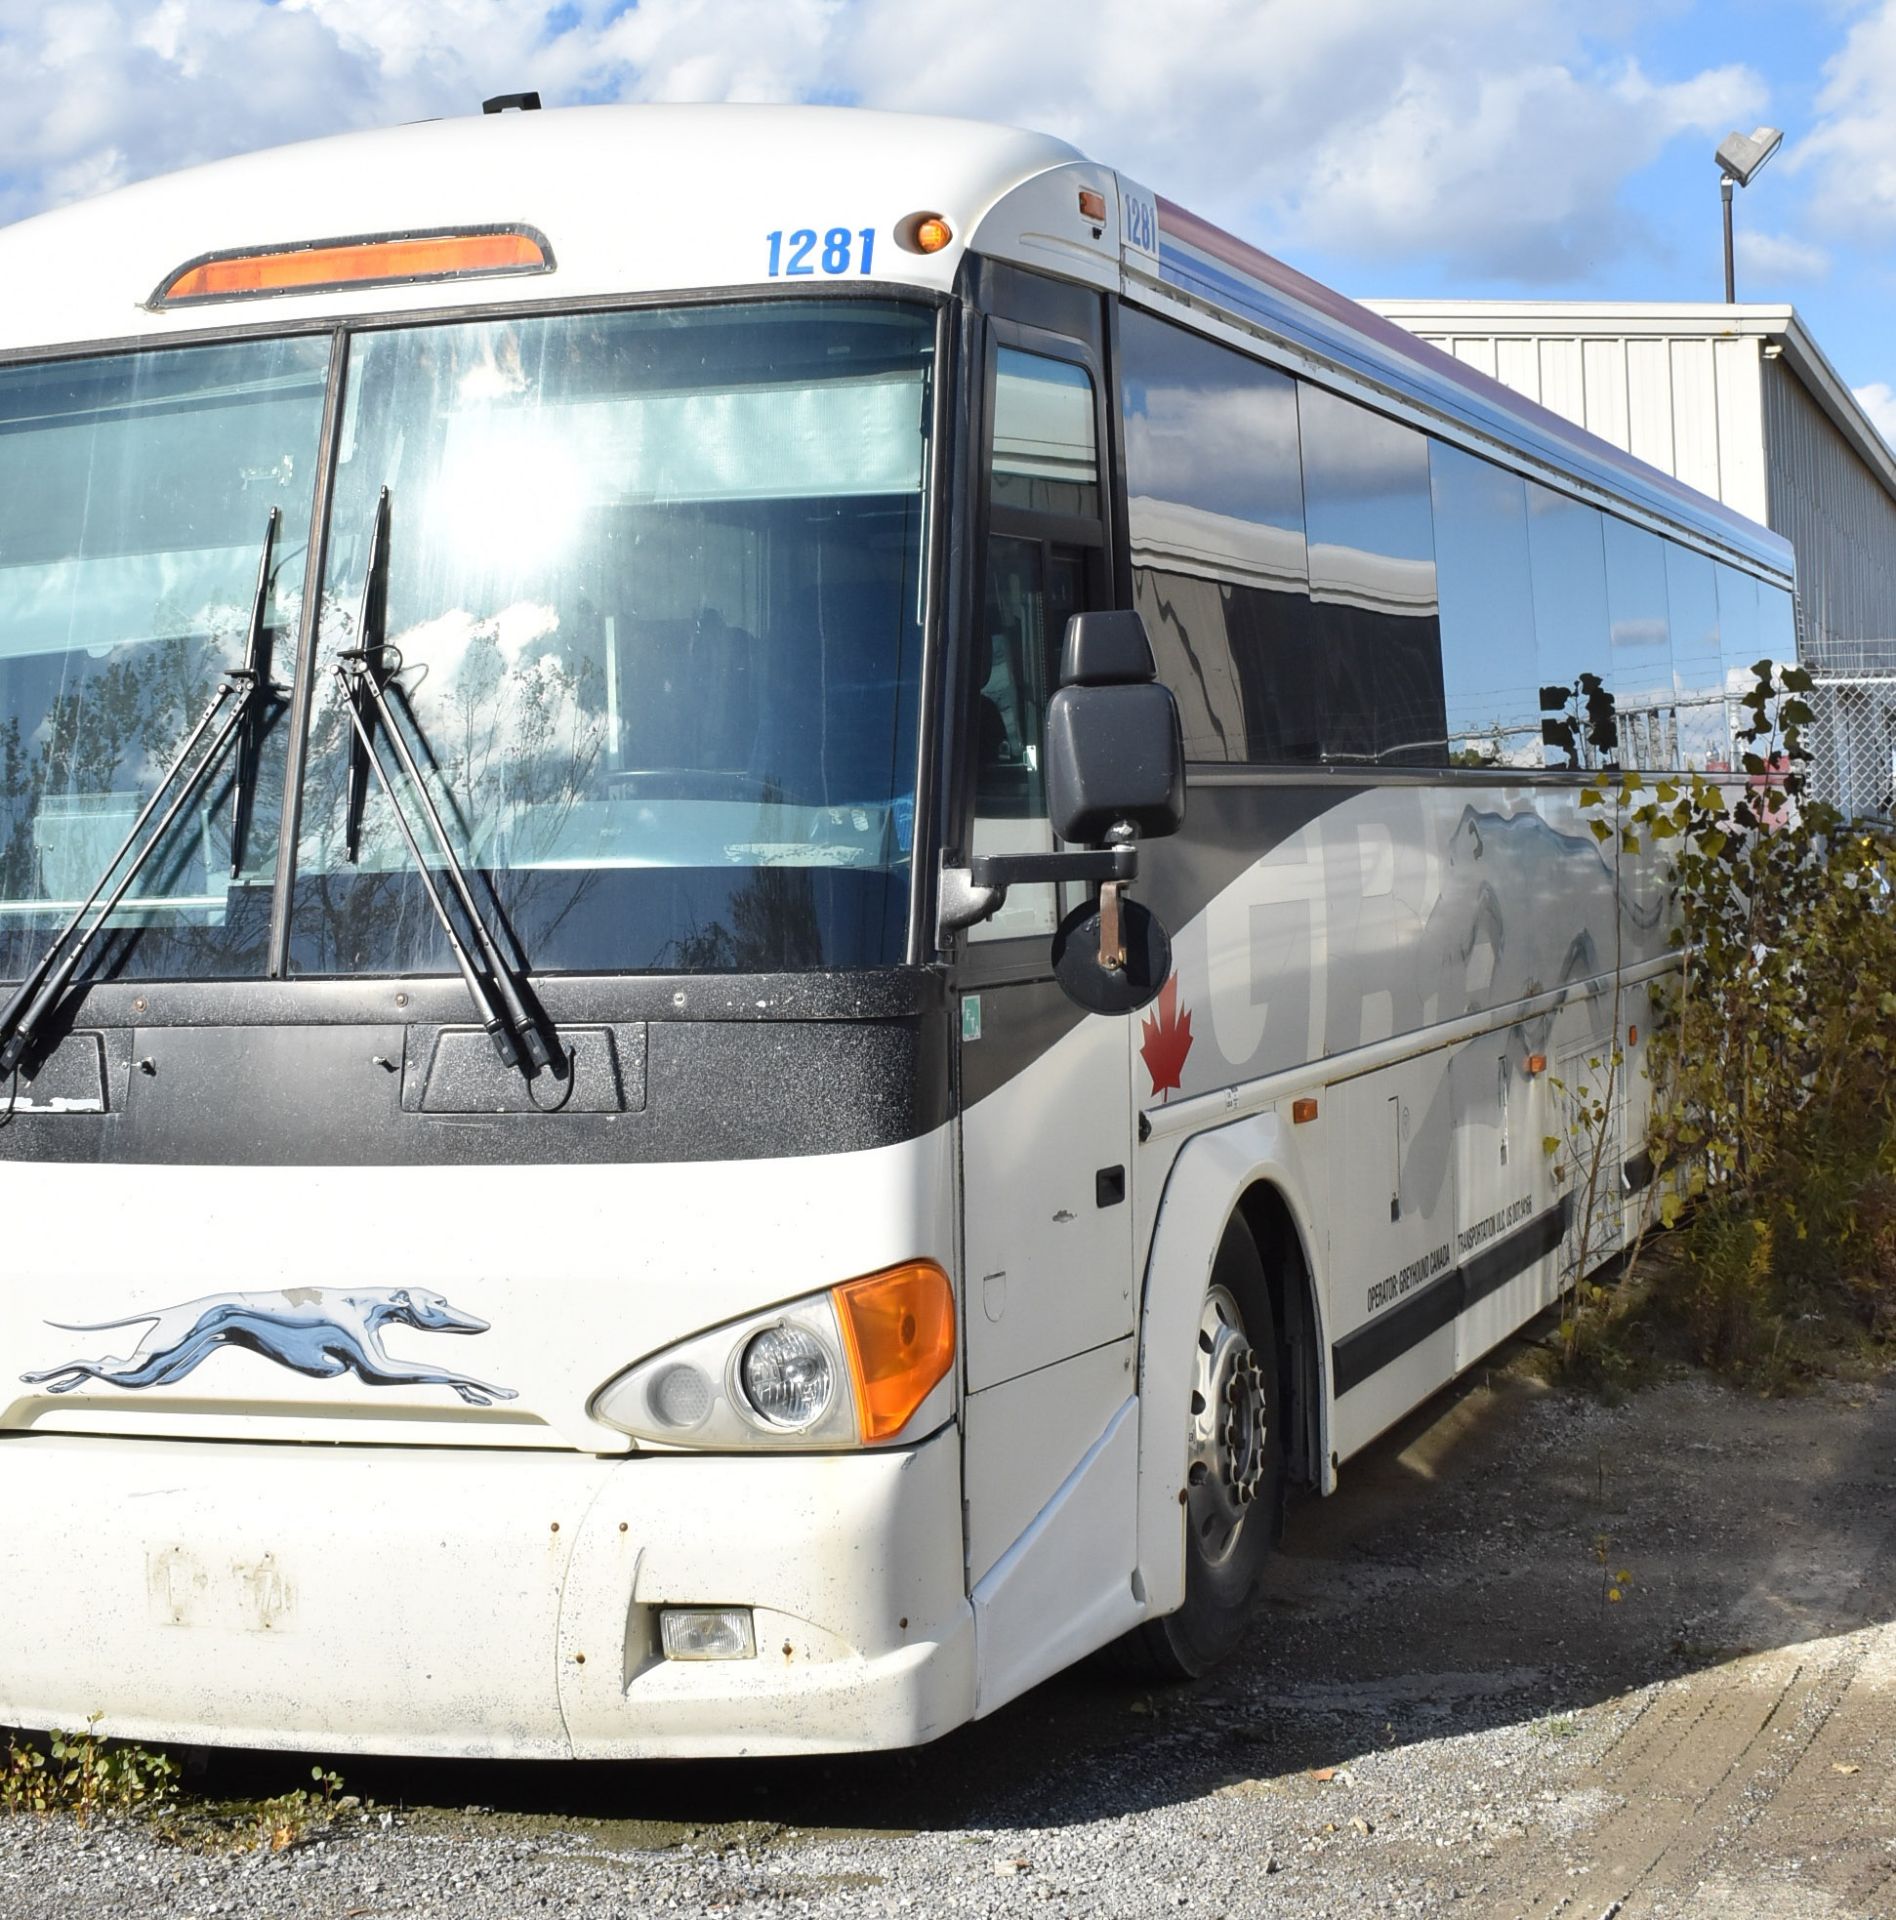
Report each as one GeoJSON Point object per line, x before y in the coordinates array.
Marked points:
{"type": "Point", "coordinates": [1167, 1039]}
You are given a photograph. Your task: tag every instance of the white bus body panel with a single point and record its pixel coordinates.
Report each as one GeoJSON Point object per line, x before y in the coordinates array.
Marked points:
{"type": "Point", "coordinates": [1049, 1268]}
{"type": "Point", "coordinates": [466, 1602]}
{"type": "Point", "coordinates": [1383, 958]}
{"type": "Point", "coordinates": [1066, 1587]}
{"type": "Point", "coordinates": [631, 200]}
{"type": "Point", "coordinates": [577, 1270]}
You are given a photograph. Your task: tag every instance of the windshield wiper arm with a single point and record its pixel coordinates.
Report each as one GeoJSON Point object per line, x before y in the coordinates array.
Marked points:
{"type": "Point", "coordinates": [361, 675]}
{"type": "Point", "coordinates": [39, 992]}
{"type": "Point", "coordinates": [250, 741]}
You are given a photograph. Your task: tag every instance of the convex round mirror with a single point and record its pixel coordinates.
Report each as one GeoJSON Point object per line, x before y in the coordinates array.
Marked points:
{"type": "Point", "coordinates": [1111, 989]}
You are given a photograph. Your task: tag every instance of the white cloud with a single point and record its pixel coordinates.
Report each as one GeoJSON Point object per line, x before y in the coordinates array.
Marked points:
{"type": "Point", "coordinates": [1485, 131]}
{"type": "Point", "coordinates": [1878, 400]}
{"type": "Point", "coordinates": [1851, 152]}
{"type": "Point", "coordinates": [1772, 260]}
{"type": "Point", "coordinates": [1512, 172]}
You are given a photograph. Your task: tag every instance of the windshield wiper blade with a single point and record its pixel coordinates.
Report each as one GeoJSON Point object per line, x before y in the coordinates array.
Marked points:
{"type": "Point", "coordinates": [250, 739]}
{"type": "Point", "coordinates": [361, 673]}
{"type": "Point", "coordinates": [351, 672]}
{"type": "Point", "coordinates": [39, 992]}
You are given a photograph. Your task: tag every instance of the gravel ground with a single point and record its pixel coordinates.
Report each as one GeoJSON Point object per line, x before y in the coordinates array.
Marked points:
{"type": "Point", "coordinates": [1441, 1710]}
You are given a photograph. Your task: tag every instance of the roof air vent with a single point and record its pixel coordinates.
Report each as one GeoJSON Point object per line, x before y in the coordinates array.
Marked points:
{"type": "Point", "coordinates": [516, 102]}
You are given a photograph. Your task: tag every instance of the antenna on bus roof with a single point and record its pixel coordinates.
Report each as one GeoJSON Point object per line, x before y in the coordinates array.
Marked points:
{"type": "Point", "coordinates": [519, 102]}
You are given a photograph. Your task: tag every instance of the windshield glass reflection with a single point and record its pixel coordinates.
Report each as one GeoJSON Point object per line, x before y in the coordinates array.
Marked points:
{"type": "Point", "coordinates": [653, 614]}
{"type": "Point", "coordinates": [137, 488]}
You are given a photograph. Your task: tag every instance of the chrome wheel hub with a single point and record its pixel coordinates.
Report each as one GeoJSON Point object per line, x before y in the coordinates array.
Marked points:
{"type": "Point", "coordinates": [1230, 1430]}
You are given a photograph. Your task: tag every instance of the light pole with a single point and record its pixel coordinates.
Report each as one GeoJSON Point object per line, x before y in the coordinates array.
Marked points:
{"type": "Point", "coordinates": [1739, 158]}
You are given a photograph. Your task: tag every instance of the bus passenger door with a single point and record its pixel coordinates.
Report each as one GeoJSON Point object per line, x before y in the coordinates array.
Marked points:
{"type": "Point", "coordinates": [1045, 1105]}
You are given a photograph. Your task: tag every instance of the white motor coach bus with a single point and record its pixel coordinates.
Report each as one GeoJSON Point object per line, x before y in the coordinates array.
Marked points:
{"type": "Point", "coordinates": [784, 889]}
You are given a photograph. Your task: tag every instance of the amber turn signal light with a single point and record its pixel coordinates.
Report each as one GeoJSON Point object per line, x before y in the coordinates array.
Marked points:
{"type": "Point", "coordinates": [1302, 1110]}
{"type": "Point", "coordinates": [1536, 1063]}
{"type": "Point", "coordinates": [899, 1332]}
{"type": "Point", "coordinates": [322, 266]}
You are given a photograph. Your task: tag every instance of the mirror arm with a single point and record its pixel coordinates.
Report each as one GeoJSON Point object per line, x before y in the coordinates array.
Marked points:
{"type": "Point", "coordinates": [970, 894]}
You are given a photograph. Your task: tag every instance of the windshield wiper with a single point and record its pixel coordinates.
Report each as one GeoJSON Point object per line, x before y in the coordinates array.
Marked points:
{"type": "Point", "coordinates": [361, 673]}
{"type": "Point", "coordinates": [36, 995]}
{"type": "Point", "coordinates": [250, 736]}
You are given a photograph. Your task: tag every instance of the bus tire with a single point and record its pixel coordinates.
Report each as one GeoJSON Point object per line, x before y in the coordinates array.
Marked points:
{"type": "Point", "coordinates": [1234, 1492]}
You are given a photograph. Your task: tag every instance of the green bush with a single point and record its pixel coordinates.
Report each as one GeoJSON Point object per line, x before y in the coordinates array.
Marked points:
{"type": "Point", "coordinates": [82, 1774]}
{"type": "Point", "coordinates": [1774, 1116]}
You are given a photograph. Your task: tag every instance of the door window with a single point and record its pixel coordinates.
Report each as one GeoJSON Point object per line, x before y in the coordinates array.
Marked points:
{"type": "Point", "coordinates": [1046, 467]}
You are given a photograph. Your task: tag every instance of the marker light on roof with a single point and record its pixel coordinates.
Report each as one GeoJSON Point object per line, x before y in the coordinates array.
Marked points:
{"type": "Point", "coordinates": [379, 260]}
{"type": "Point", "coordinates": [923, 233]}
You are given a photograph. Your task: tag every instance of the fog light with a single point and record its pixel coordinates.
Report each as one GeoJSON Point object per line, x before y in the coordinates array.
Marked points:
{"type": "Point", "coordinates": [707, 1633]}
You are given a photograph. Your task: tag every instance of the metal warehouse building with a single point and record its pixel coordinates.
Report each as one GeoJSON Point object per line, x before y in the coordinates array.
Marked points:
{"type": "Point", "coordinates": [1740, 402]}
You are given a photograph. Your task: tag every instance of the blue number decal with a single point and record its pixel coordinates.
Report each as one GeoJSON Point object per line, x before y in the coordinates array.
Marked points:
{"type": "Point", "coordinates": [838, 253]}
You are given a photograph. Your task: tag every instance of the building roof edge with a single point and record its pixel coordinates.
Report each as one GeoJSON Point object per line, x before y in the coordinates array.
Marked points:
{"type": "Point", "coordinates": [1777, 323]}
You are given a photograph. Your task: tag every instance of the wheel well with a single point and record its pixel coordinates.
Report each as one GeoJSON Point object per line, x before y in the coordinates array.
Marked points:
{"type": "Point", "coordinates": [1287, 1272]}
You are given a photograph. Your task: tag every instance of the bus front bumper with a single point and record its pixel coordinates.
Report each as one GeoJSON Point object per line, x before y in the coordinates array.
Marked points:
{"type": "Point", "coordinates": [488, 1604]}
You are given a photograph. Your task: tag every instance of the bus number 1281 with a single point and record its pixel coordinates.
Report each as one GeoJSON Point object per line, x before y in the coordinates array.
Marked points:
{"type": "Point", "coordinates": [834, 253]}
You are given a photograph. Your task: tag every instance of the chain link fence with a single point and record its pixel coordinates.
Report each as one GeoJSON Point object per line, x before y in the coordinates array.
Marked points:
{"type": "Point", "coordinates": [1852, 741]}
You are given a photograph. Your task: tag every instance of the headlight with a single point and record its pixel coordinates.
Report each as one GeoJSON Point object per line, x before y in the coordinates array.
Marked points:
{"type": "Point", "coordinates": [788, 1376]}
{"type": "Point", "coordinates": [863, 1363]}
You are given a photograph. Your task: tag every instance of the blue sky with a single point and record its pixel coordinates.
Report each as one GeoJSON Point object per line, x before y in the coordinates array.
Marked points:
{"type": "Point", "coordinates": [1527, 148]}
{"type": "Point", "coordinates": [1834, 258]}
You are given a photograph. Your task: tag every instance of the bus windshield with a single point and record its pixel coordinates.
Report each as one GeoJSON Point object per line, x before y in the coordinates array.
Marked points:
{"type": "Point", "coordinates": [651, 627]}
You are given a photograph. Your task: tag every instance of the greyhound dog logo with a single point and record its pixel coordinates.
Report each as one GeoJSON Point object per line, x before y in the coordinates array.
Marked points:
{"type": "Point", "coordinates": [319, 1331]}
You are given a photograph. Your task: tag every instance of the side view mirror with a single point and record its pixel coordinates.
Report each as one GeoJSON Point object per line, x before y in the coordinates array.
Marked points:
{"type": "Point", "coordinates": [1115, 752]}
{"type": "Point", "coordinates": [1115, 765]}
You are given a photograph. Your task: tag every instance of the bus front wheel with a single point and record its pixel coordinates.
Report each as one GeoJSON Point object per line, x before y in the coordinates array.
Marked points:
{"type": "Point", "coordinates": [1234, 1483]}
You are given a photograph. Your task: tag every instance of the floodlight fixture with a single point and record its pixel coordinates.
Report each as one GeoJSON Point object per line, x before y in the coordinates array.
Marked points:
{"type": "Point", "coordinates": [1740, 157]}
{"type": "Point", "coordinates": [1742, 154]}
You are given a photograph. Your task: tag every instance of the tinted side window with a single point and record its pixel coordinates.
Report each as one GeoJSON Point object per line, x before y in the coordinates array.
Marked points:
{"type": "Point", "coordinates": [1777, 625]}
{"type": "Point", "coordinates": [1698, 672]}
{"type": "Point", "coordinates": [1192, 644]}
{"type": "Point", "coordinates": [1642, 645]}
{"type": "Point", "coordinates": [1572, 633]}
{"type": "Point", "coordinates": [1372, 583]}
{"type": "Point", "coordinates": [1215, 511]}
{"type": "Point", "coordinates": [1738, 643]}
{"type": "Point", "coordinates": [1490, 678]}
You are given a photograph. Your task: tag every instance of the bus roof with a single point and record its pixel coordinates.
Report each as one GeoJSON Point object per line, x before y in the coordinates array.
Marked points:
{"type": "Point", "coordinates": [650, 199]}
{"type": "Point", "coordinates": [631, 200]}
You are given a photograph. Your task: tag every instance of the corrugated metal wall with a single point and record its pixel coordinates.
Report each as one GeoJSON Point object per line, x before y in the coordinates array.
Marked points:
{"type": "Point", "coordinates": [1690, 406]}
{"type": "Point", "coordinates": [1842, 521]}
